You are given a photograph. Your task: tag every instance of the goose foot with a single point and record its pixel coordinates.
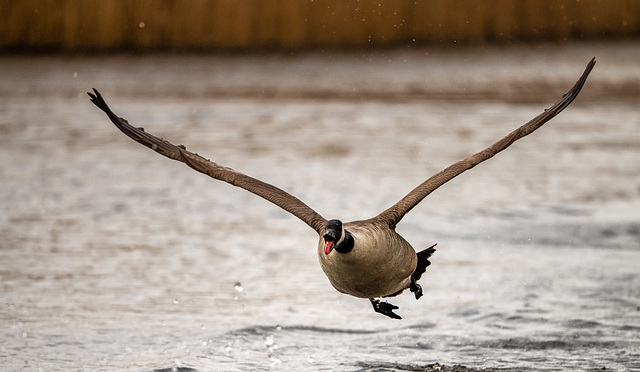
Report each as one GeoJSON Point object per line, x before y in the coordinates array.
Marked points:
{"type": "Point", "coordinates": [384, 308]}
{"type": "Point", "coordinates": [415, 288]}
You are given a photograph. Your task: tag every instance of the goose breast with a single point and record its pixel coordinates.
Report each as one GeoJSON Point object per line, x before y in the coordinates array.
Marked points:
{"type": "Point", "coordinates": [380, 264]}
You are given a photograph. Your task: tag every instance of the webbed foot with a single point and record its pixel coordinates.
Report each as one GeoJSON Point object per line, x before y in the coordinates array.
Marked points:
{"type": "Point", "coordinates": [384, 308]}
{"type": "Point", "coordinates": [415, 288]}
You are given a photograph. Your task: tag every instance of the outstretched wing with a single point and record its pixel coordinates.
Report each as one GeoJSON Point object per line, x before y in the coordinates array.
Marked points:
{"type": "Point", "coordinates": [273, 194]}
{"type": "Point", "coordinates": [394, 214]}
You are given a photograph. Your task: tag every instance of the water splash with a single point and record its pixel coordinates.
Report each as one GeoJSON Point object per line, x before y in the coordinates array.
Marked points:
{"type": "Point", "coordinates": [272, 347]}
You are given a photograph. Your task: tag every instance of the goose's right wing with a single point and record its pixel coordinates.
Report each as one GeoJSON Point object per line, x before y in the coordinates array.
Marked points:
{"type": "Point", "coordinates": [394, 214]}
{"type": "Point", "coordinates": [269, 192]}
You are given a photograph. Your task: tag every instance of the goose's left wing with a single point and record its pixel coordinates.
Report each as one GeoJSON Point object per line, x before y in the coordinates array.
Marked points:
{"type": "Point", "coordinates": [394, 214]}
{"type": "Point", "coordinates": [269, 192]}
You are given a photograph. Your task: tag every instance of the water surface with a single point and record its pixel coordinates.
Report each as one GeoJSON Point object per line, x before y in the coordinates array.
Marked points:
{"type": "Point", "coordinates": [114, 258]}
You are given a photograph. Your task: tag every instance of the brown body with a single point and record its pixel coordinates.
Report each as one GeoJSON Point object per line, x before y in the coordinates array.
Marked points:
{"type": "Point", "coordinates": [381, 263]}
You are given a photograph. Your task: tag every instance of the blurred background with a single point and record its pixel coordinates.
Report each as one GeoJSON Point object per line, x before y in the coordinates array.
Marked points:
{"type": "Point", "coordinates": [115, 258]}
{"type": "Point", "coordinates": [244, 25]}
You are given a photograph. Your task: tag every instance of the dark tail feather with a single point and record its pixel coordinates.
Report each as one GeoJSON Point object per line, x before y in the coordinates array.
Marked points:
{"type": "Point", "coordinates": [423, 262]}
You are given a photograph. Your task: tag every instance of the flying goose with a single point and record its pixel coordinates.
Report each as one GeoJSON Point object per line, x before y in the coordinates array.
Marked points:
{"type": "Point", "coordinates": [365, 259]}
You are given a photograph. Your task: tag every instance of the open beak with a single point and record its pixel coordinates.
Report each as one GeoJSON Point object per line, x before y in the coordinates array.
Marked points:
{"type": "Point", "coordinates": [330, 238]}
{"type": "Point", "coordinates": [328, 246]}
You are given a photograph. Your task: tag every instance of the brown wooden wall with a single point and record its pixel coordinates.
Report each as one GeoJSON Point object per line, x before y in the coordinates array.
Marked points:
{"type": "Point", "coordinates": [81, 25]}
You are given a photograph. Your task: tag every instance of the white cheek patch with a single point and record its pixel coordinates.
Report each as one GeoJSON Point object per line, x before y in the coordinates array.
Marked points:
{"type": "Point", "coordinates": [341, 237]}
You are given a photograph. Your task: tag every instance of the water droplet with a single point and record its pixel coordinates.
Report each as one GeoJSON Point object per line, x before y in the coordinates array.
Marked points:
{"type": "Point", "coordinates": [311, 359]}
{"type": "Point", "coordinates": [202, 327]}
{"type": "Point", "coordinates": [141, 24]}
{"type": "Point", "coordinates": [238, 287]}
{"type": "Point", "coordinates": [75, 75]}
{"type": "Point", "coordinates": [176, 302]}
{"type": "Point", "coordinates": [268, 340]}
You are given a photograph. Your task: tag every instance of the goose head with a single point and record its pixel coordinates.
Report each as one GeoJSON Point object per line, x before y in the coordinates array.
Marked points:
{"type": "Point", "coordinates": [333, 235]}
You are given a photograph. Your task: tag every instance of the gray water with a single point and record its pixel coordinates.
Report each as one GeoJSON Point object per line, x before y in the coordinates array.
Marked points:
{"type": "Point", "coordinates": [114, 258]}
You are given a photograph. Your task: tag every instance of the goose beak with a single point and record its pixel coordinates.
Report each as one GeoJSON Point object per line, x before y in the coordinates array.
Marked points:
{"type": "Point", "coordinates": [330, 237]}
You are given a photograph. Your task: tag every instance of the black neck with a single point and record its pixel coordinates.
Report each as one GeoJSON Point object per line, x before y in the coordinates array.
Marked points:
{"type": "Point", "coordinates": [346, 245]}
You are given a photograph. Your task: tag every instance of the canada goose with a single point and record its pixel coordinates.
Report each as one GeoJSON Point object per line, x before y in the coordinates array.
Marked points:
{"type": "Point", "coordinates": [365, 259]}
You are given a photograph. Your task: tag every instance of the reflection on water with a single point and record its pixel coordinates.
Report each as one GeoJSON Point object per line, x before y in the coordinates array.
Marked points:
{"type": "Point", "coordinates": [114, 258]}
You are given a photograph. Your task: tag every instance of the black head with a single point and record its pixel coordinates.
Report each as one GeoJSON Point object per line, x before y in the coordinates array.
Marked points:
{"type": "Point", "coordinates": [332, 234]}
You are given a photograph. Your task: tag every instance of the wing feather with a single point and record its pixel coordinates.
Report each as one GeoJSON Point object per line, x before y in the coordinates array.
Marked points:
{"type": "Point", "coordinates": [394, 214]}
{"type": "Point", "coordinates": [269, 192]}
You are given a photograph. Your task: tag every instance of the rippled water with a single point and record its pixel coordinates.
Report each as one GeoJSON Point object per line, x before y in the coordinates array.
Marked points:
{"type": "Point", "coordinates": [114, 258]}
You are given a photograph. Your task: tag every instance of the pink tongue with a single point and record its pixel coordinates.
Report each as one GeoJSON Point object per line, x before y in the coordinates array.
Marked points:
{"type": "Point", "coordinates": [327, 248]}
